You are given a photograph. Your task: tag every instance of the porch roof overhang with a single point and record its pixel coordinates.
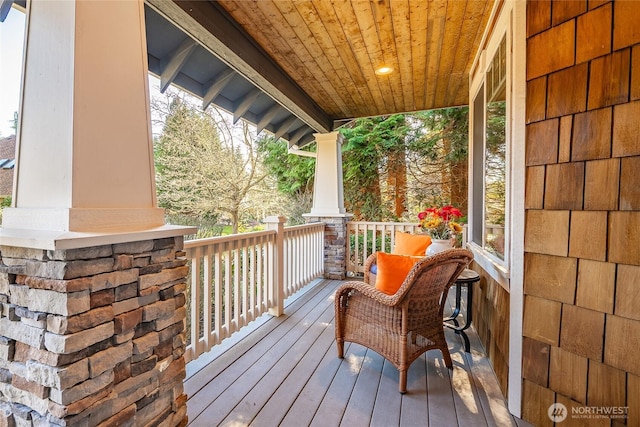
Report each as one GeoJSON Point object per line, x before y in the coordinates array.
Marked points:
{"type": "Point", "coordinates": [294, 68]}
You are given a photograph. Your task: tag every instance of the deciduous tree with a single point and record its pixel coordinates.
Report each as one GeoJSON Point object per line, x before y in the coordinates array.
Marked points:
{"type": "Point", "coordinates": [206, 167]}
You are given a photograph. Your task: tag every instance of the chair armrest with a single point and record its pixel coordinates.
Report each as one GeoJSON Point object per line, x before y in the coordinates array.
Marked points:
{"type": "Point", "coordinates": [370, 262]}
{"type": "Point", "coordinates": [367, 290]}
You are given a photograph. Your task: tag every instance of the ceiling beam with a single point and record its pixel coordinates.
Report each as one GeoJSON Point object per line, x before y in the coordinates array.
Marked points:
{"type": "Point", "coordinates": [215, 86]}
{"type": "Point", "coordinates": [267, 117]}
{"type": "Point", "coordinates": [299, 133]}
{"type": "Point", "coordinates": [306, 140]}
{"type": "Point", "coordinates": [213, 27]}
{"type": "Point", "coordinates": [245, 104]}
{"type": "Point", "coordinates": [284, 127]}
{"type": "Point", "coordinates": [175, 62]}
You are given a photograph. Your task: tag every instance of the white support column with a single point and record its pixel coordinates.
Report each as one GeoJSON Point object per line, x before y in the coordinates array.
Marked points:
{"type": "Point", "coordinates": [85, 152]}
{"type": "Point", "coordinates": [328, 203]}
{"type": "Point", "coordinates": [85, 212]}
{"type": "Point", "coordinates": [328, 193]}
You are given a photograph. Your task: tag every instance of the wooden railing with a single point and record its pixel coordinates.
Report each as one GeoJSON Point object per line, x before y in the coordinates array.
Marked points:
{"type": "Point", "coordinates": [303, 255]}
{"type": "Point", "coordinates": [235, 279]}
{"type": "Point", "coordinates": [365, 238]}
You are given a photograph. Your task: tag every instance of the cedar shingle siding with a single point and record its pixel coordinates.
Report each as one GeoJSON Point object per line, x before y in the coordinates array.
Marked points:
{"type": "Point", "coordinates": [582, 236]}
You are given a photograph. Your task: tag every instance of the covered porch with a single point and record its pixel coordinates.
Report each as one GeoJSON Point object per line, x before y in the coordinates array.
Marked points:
{"type": "Point", "coordinates": [97, 290]}
{"type": "Point", "coordinates": [284, 371]}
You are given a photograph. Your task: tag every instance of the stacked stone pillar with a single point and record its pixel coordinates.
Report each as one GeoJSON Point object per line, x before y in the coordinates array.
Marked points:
{"type": "Point", "coordinates": [335, 244]}
{"type": "Point", "coordinates": [93, 336]}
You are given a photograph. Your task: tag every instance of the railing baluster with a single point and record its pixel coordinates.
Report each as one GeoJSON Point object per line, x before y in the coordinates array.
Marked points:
{"type": "Point", "coordinates": [218, 295]}
{"type": "Point", "coordinates": [206, 312]}
{"type": "Point", "coordinates": [261, 279]}
{"type": "Point", "coordinates": [245, 283]}
{"type": "Point", "coordinates": [237, 303]}
{"type": "Point", "coordinates": [228, 308]}
{"type": "Point", "coordinates": [195, 303]}
{"type": "Point", "coordinates": [365, 236]}
{"type": "Point", "coordinates": [232, 277]}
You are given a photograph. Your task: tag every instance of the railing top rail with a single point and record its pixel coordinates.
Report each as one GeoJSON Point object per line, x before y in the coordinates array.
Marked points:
{"type": "Point", "coordinates": [224, 239]}
{"type": "Point", "coordinates": [303, 226]}
{"type": "Point", "coordinates": [397, 224]}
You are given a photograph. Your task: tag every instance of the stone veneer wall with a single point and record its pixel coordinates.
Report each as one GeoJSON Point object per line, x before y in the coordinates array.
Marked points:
{"type": "Point", "coordinates": [582, 237]}
{"type": "Point", "coordinates": [93, 336]}
{"type": "Point", "coordinates": [335, 251]}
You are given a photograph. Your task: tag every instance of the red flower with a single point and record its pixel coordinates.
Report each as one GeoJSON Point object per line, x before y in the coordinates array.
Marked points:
{"type": "Point", "coordinates": [446, 213]}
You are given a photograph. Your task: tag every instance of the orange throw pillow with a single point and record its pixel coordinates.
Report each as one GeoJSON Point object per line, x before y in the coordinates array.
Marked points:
{"type": "Point", "coordinates": [392, 270]}
{"type": "Point", "coordinates": [411, 244]}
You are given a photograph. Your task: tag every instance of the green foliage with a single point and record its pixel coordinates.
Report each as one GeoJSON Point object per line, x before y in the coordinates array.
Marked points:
{"type": "Point", "coordinates": [425, 151]}
{"type": "Point", "coordinates": [495, 164]}
{"type": "Point", "coordinates": [294, 174]}
{"type": "Point", "coordinates": [391, 164]}
{"type": "Point", "coordinates": [6, 202]}
{"type": "Point", "coordinates": [367, 146]}
{"type": "Point", "coordinates": [381, 241]}
{"type": "Point", "coordinates": [451, 124]}
{"type": "Point", "coordinates": [438, 151]}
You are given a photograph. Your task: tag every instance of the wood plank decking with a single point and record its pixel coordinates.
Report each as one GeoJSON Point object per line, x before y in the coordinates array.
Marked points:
{"type": "Point", "coordinates": [286, 372]}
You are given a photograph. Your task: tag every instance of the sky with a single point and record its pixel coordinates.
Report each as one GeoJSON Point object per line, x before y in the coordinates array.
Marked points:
{"type": "Point", "coordinates": [11, 43]}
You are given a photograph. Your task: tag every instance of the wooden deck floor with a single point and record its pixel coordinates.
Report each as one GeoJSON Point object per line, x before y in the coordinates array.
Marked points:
{"type": "Point", "coordinates": [286, 372]}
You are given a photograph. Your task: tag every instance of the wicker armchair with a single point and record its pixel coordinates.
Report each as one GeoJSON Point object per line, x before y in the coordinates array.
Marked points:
{"type": "Point", "coordinates": [402, 326]}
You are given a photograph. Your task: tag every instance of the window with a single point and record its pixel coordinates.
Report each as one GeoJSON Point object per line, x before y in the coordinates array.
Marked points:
{"type": "Point", "coordinates": [489, 136]}
{"type": "Point", "coordinates": [497, 91]}
{"type": "Point", "coordinates": [495, 149]}
{"type": "Point", "coordinates": [491, 145]}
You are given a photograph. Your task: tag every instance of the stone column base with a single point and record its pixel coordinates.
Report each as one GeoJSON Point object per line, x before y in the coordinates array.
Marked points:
{"type": "Point", "coordinates": [335, 241]}
{"type": "Point", "coordinates": [93, 336]}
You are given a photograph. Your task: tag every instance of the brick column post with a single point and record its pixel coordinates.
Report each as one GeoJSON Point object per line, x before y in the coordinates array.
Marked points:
{"type": "Point", "coordinates": [93, 336]}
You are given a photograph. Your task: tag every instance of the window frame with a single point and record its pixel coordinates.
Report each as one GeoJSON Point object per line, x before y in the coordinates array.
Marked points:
{"type": "Point", "coordinates": [498, 269]}
{"type": "Point", "coordinates": [508, 18]}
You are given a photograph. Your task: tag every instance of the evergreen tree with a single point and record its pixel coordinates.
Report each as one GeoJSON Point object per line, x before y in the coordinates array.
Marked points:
{"type": "Point", "coordinates": [375, 148]}
{"type": "Point", "coordinates": [438, 160]}
{"type": "Point", "coordinates": [293, 175]}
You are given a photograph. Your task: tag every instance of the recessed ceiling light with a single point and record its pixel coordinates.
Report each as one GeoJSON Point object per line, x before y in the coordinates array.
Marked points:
{"type": "Point", "coordinates": [384, 70]}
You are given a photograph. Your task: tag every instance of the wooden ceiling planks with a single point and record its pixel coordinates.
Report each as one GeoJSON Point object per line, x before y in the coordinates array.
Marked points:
{"type": "Point", "coordinates": [311, 52]}
{"type": "Point", "coordinates": [435, 42]}
{"type": "Point", "coordinates": [333, 28]}
{"type": "Point", "coordinates": [356, 41]}
{"type": "Point", "coordinates": [270, 35]}
{"type": "Point", "coordinates": [401, 21]}
{"type": "Point", "coordinates": [418, 19]}
{"type": "Point", "coordinates": [387, 36]}
{"type": "Point", "coordinates": [475, 12]}
{"type": "Point", "coordinates": [450, 40]}
{"type": "Point", "coordinates": [371, 55]}
{"type": "Point", "coordinates": [331, 49]}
